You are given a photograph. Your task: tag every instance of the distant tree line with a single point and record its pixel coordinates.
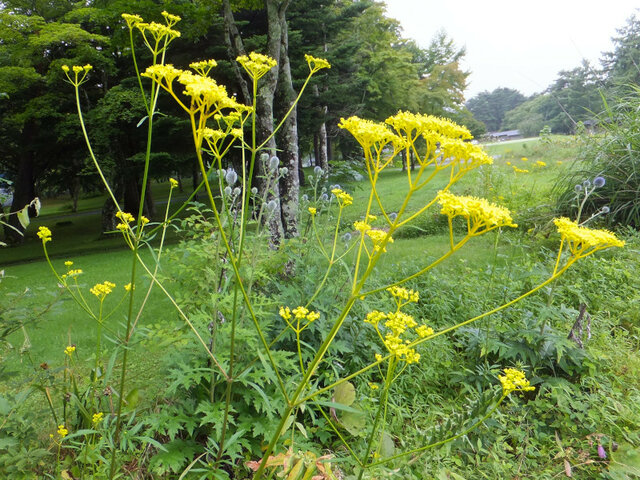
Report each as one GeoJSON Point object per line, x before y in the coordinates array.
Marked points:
{"type": "Point", "coordinates": [375, 72]}
{"type": "Point", "coordinates": [575, 97]}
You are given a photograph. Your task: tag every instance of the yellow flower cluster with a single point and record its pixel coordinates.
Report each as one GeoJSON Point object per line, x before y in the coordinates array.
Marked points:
{"type": "Point", "coordinates": [44, 234]}
{"type": "Point", "coordinates": [514, 380]}
{"type": "Point", "coordinates": [540, 163]}
{"type": "Point", "coordinates": [361, 226]}
{"type": "Point", "coordinates": [316, 64]}
{"type": "Point", "coordinates": [173, 182]}
{"type": "Point", "coordinates": [62, 431]}
{"type": "Point", "coordinates": [203, 67]}
{"type": "Point", "coordinates": [412, 125]}
{"type": "Point", "coordinates": [401, 293]}
{"type": "Point", "coordinates": [456, 152]}
{"type": "Point", "coordinates": [132, 20]}
{"type": "Point", "coordinates": [256, 64]}
{"type": "Point", "coordinates": [524, 159]}
{"type": "Point", "coordinates": [97, 418]}
{"type": "Point", "coordinates": [69, 350]}
{"type": "Point", "coordinates": [158, 32]}
{"type": "Point", "coordinates": [77, 79]}
{"type": "Point", "coordinates": [68, 263]}
{"type": "Point", "coordinates": [481, 214]}
{"type": "Point", "coordinates": [378, 238]}
{"type": "Point", "coordinates": [127, 287]}
{"type": "Point", "coordinates": [344, 199]}
{"type": "Point", "coordinates": [312, 210]}
{"type": "Point", "coordinates": [519, 170]}
{"type": "Point", "coordinates": [397, 324]}
{"type": "Point", "coordinates": [299, 314]}
{"type": "Point", "coordinates": [584, 241]}
{"type": "Point", "coordinates": [370, 134]}
{"type": "Point", "coordinates": [101, 290]}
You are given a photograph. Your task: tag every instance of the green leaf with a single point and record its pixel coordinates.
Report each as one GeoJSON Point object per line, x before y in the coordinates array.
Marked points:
{"type": "Point", "coordinates": [132, 398]}
{"type": "Point", "coordinates": [625, 463]}
{"type": "Point", "coordinates": [354, 423]}
{"type": "Point", "coordinates": [23, 216]}
{"type": "Point", "coordinates": [387, 446]}
{"type": "Point", "coordinates": [345, 393]}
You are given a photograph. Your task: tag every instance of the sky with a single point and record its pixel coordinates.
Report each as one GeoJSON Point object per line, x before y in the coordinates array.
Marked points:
{"type": "Point", "coordinates": [516, 44]}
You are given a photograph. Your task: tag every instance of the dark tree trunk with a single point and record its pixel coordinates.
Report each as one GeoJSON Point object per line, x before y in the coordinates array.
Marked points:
{"type": "Point", "coordinates": [24, 190]}
{"type": "Point", "coordinates": [322, 157]}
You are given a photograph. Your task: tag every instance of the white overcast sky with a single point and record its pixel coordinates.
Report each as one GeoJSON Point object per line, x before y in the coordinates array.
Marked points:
{"type": "Point", "coordinates": [516, 44]}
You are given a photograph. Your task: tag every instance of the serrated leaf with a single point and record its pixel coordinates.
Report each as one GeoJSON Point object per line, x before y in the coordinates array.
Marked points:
{"type": "Point", "coordinates": [344, 394]}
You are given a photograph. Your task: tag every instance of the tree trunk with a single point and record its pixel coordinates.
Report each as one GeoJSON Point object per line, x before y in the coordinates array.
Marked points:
{"type": "Point", "coordinates": [24, 190]}
{"type": "Point", "coordinates": [322, 157]}
{"type": "Point", "coordinates": [288, 137]}
{"type": "Point", "coordinates": [235, 48]}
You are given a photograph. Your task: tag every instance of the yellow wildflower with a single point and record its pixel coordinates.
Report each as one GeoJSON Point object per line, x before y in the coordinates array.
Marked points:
{"type": "Point", "coordinates": [285, 313]}
{"type": "Point", "coordinates": [69, 350]}
{"type": "Point", "coordinates": [127, 287]}
{"type": "Point", "coordinates": [158, 31]}
{"type": "Point", "coordinates": [378, 357]}
{"type": "Point", "coordinates": [62, 431]}
{"type": "Point", "coordinates": [519, 170]}
{"type": "Point", "coordinates": [101, 290]}
{"type": "Point", "coordinates": [540, 163]}
{"type": "Point", "coordinates": [514, 381]}
{"type": "Point", "coordinates": [424, 331]}
{"type": "Point", "coordinates": [124, 216]}
{"type": "Point", "coordinates": [256, 64]}
{"type": "Point", "coordinates": [524, 159]}
{"type": "Point", "coordinates": [173, 182]}
{"type": "Point", "coordinates": [97, 418]}
{"type": "Point", "coordinates": [312, 210]}
{"type": "Point", "coordinates": [204, 66]}
{"type": "Point", "coordinates": [316, 64]}
{"type": "Point", "coordinates": [131, 20]}
{"type": "Point", "coordinates": [300, 312]}
{"type": "Point", "coordinates": [378, 237]}
{"type": "Point", "coordinates": [75, 272]}
{"type": "Point", "coordinates": [481, 214]}
{"type": "Point", "coordinates": [159, 73]}
{"type": "Point", "coordinates": [584, 241]}
{"type": "Point", "coordinates": [68, 263]}
{"type": "Point", "coordinates": [402, 293]}
{"type": "Point", "coordinates": [144, 220]}
{"type": "Point", "coordinates": [373, 386]}
{"type": "Point", "coordinates": [344, 199]}
{"type": "Point", "coordinates": [171, 19]}
{"type": "Point", "coordinates": [370, 134]}
{"type": "Point", "coordinates": [44, 234]}
{"type": "Point", "coordinates": [361, 226]}
{"type": "Point", "coordinates": [374, 317]}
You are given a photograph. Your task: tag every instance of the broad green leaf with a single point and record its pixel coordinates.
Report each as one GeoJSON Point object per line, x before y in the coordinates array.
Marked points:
{"type": "Point", "coordinates": [387, 446]}
{"type": "Point", "coordinates": [345, 393]}
{"type": "Point", "coordinates": [354, 423]}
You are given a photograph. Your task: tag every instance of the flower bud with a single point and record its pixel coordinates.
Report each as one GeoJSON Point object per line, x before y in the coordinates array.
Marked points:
{"type": "Point", "coordinates": [273, 163]}
{"type": "Point", "coordinates": [601, 452]}
{"type": "Point", "coordinates": [599, 182]}
{"type": "Point", "coordinates": [231, 177]}
{"type": "Point", "coordinates": [305, 198]}
{"type": "Point", "coordinates": [271, 205]}
{"type": "Point", "coordinates": [284, 171]}
{"type": "Point", "coordinates": [346, 238]}
{"type": "Point", "coordinates": [324, 197]}
{"type": "Point", "coordinates": [586, 184]}
{"type": "Point", "coordinates": [578, 188]}
{"type": "Point", "coordinates": [236, 191]}
{"type": "Point", "coordinates": [227, 190]}
{"type": "Point", "coordinates": [254, 190]}
{"type": "Point", "coordinates": [318, 170]}
{"type": "Point", "coordinates": [605, 209]}
{"type": "Point", "coordinates": [264, 157]}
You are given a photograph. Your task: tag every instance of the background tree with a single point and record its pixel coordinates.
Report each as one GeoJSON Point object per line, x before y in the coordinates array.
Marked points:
{"type": "Point", "coordinates": [490, 107]}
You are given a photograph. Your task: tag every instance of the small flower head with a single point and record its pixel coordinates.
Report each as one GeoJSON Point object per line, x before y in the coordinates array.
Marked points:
{"type": "Point", "coordinates": [316, 64]}
{"type": "Point", "coordinates": [344, 199]}
{"type": "Point", "coordinates": [583, 241]}
{"type": "Point", "coordinates": [599, 182]}
{"type": "Point", "coordinates": [285, 313]}
{"type": "Point", "coordinates": [132, 20]}
{"type": "Point", "coordinates": [69, 350]}
{"type": "Point", "coordinates": [524, 159]}
{"type": "Point", "coordinates": [171, 19]}
{"type": "Point", "coordinates": [101, 290]}
{"type": "Point", "coordinates": [203, 67]}
{"type": "Point", "coordinates": [124, 216]}
{"type": "Point", "coordinates": [514, 380]}
{"type": "Point", "coordinates": [68, 263]}
{"type": "Point", "coordinates": [62, 431]}
{"type": "Point", "coordinates": [173, 182]}
{"type": "Point", "coordinates": [256, 64]}
{"type": "Point", "coordinates": [144, 220]}
{"type": "Point", "coordinates": [312, 210]}
{"type": "Point", "coordinates": [128, 287]}
{"type": "Point", "coordinates": [97, 418]}
{"type": "Point", "coordinates": [601, 452]}
{"type": "Point", "coordinates": [44, 234]}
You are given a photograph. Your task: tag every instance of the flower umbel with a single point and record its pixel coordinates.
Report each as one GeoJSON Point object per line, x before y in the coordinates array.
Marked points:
{"type": "Point", "coordinates": [44, 234]}
{"type": "Point", "coordinates": [514, 380]}
{"type": "Point", "coordinates": [256, 64]}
